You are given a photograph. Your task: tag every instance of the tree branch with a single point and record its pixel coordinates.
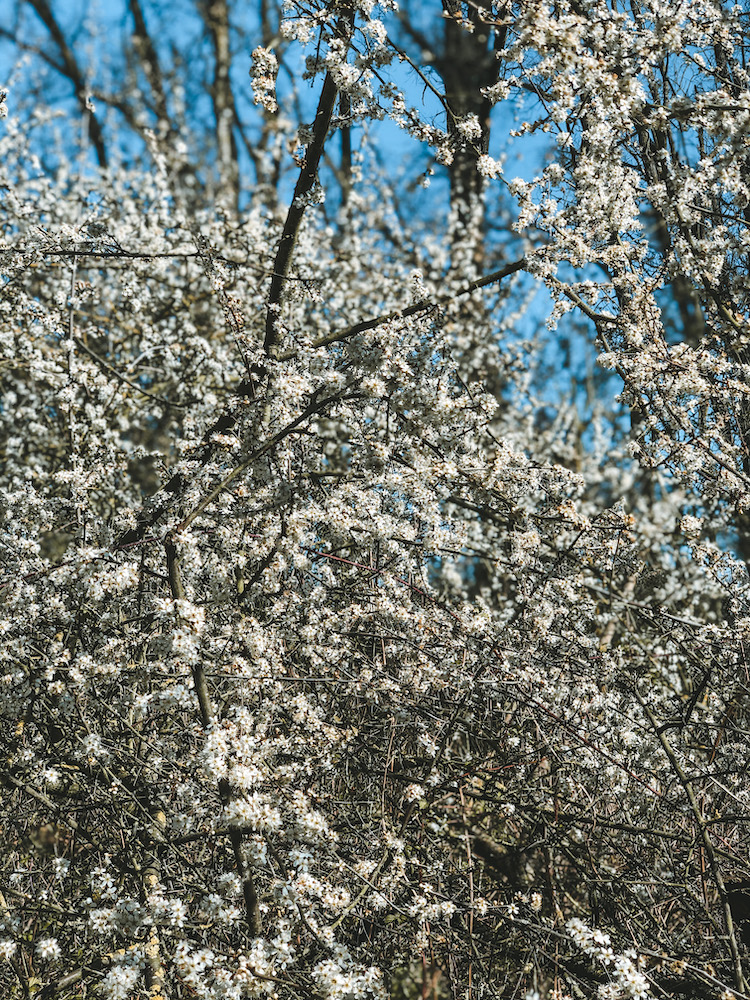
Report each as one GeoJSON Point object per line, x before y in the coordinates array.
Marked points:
{"type": "Point", "coordinates": [305, 181]}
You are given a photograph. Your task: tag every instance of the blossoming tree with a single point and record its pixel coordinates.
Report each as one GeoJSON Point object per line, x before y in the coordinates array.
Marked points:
{"type": "Point", "coordinates": [342, 656]}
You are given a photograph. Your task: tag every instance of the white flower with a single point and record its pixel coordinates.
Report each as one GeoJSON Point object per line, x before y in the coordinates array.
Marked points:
{"type": "Point", "coordinates": [7, 949]}
{"type": "Point", "coordinates": [488, 167]}
{"type": "Point", "coordinates": [119, 982]}
{"type": "Point", "coordinates": [60, 866]}
{"type": "Point", "coordinates": [469, 127]}
{"type": "Point", "coordinates": [47, 949]}
{"type": "Point", "coordinates": [92, 747]}
{"type": "Point", "coordinates": [101, 920]}
{"type": "Point", "coordinates": [691, 526]}
{"type": "Point", "coordinates": [253, 812]}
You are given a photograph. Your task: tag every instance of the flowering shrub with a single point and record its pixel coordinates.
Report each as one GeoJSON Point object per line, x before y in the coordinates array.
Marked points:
{"type": "Point", "coordinates": [330, 661]}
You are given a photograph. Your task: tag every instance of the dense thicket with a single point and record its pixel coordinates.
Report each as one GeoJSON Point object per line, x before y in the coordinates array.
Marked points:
{"type": "Point", "coordinates": [359, 638]}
